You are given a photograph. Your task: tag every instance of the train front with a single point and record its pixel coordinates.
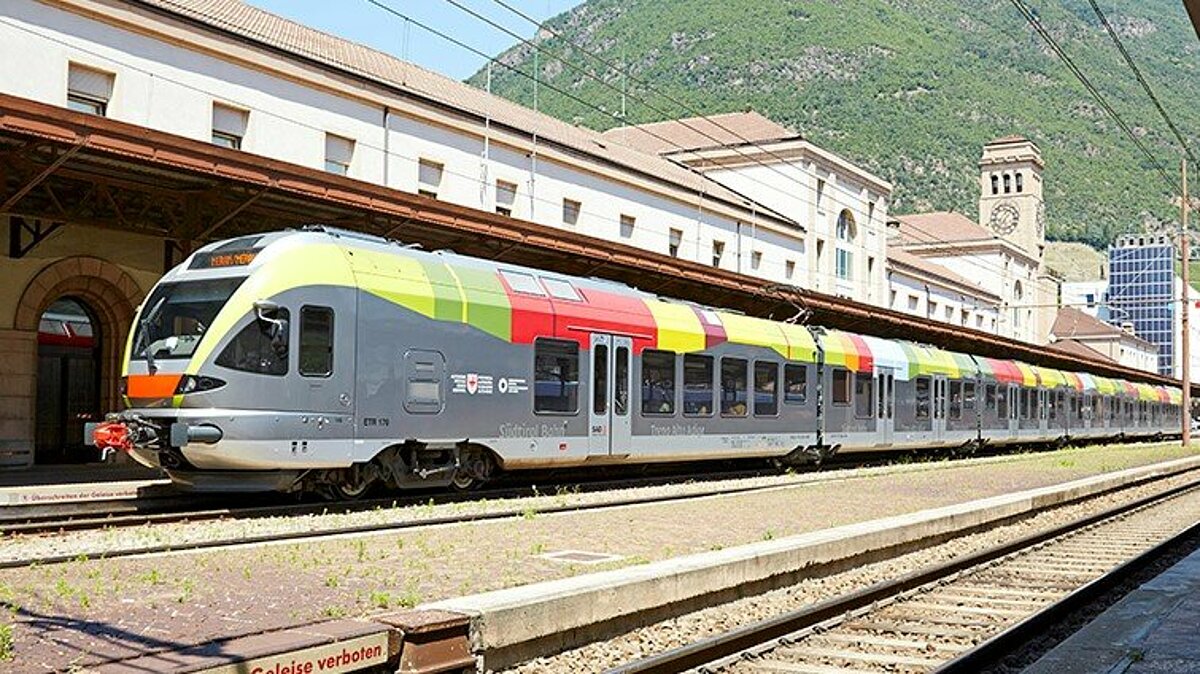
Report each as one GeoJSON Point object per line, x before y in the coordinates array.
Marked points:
{"type": "Point", "coordinates": [204, 381]}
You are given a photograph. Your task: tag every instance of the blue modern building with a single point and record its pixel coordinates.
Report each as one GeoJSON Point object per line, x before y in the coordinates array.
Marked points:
{"type": "Point", "coordinates": [1141, 290]}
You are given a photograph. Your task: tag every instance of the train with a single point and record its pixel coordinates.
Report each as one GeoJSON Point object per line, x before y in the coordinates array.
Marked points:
{"type": "Point", "coordinates": [329, 361]}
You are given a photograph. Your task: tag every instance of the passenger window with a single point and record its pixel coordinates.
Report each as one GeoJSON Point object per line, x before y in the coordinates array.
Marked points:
{"type": "Point", "coordinates": [956, 400]}
{"type": "Point", "coordinates": [922, 397]}
{"type": "Point", "coordinates": [260, 348]}
{"type": "Point", "coordinates": [990, 397]}
{"type": "Point", "coordinates": [658, 382]}
{"type": "Point", "coordinates": [600, 379]}
{"type": "Point", "coordinates": [766, 389]}
{"type": "Point", "coordinates": [316, 341]}
{"type": "Point", "coordinates": [1023, 403]}
{"type": "Point", "coordinates": [733, 387]}
{"type": "Point", "coordinates": [1002, 403]}
{"type": "Point", "coordinates": [555, 376]}
{"type": "Point", "coordinates": [864, 395]}
{"type": "Point", "coordinates": [795, 384]}
{"type": "Point", "coordinates": [697, 385]}
{"type": "Point", "coordinates": [968, 395]}
{"type": "Point", "coordinates": [841, 386]}
{"type": "Point", "coordinates": [1053, 398]}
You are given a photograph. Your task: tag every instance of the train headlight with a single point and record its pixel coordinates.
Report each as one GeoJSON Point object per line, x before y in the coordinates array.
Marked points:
{"type": "Point", "coordinates": [190, 383]}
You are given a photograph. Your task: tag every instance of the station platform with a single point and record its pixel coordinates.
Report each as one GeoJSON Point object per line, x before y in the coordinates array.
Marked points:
{"type": "Point", "coordinates": [1153, 629]}
{"type": "Point", "coordinates": [63, 483]}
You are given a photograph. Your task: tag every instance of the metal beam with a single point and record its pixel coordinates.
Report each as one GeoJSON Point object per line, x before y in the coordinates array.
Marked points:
{"type": "Point", "coordinates": [208, 231]}
{"type": "Point", "coordinates": [46, 172]}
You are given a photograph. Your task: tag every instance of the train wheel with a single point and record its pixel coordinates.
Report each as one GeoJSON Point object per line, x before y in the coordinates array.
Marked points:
{"type": "Point", "coordinates": [353, 483]}
{"type": "Point", "coordinates": [464, 481]}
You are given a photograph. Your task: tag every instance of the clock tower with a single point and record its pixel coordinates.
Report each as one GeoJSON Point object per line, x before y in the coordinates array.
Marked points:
{"type": "Point", "coordinates": [1010, 193]}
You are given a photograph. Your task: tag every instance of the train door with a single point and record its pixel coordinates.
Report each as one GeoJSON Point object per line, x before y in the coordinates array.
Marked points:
{"type": "Point", "coordinates": [1014, 403]}
{"type": "Point", "coordinates": [939, 407]}
{"type": "Point", "coordinates": [1043, 397]}
{"type": "Point", "coordinates": [885, 423]}
{"type": "Point", "coordinates": [610, 429]}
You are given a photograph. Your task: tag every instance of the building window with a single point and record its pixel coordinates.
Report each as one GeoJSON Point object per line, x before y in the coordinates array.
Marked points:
{"type": "Point", "coordinates": [892, 299]}
{"type": "Point", "coordinates": [845, 261]}
{"type": "Point", "coordinates": [88, 90]}
{"type": "Point", "coordinates": [820, 195]}
{"type": "Point", "coordinates": [1007, 183]}
{"type": "Point", "coordinates": [870, 267]}
{"type": "Point", "coordinates": [949, 313]}
{"type": "Point", "coordinates": [979, 321]}
{"type": "Point", "coordinates": [718, 251]}
{"type": "Point", "coordinates": [933, 307]}
{"type": "Point", "coordinates": [846, 229]}
{"type": "Point", "coordinates": [228, 126]}
{"type": "Point", "coordinates": [627, 224]}
{"type": "Point", "coordinates": [820, 255]}
{"type": "Point", "coordinates": [789, 269]}
{"type": "Point", "coordinates": [339, 152]}
{"type": "Point", "coordinates": [1020, 185]}
{"type": "Point", "coordinates": [913, 302]}
{"type": "Point", "coordinates": [674, 239]}
{"type": "Point", "coordinates": [429, 177]}
{"type": "Point", "coordinates": [555, 376]}
{"type": "Point", "coordinates": [995, 184]}
{"type": "Point", "coordinates": [506, 197]}
{"type": "Point", "coordinates": [570, 212]}
{"type": "Point", "coordinates": [755, 259]}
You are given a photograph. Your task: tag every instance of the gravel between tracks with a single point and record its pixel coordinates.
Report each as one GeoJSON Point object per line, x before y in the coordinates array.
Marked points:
{"type": "Point", "coordinates": [83, 611]}
{"type": "Point", "coordinates": [692, 627]}
{"type": "Point", "coordinates": [98, 542]}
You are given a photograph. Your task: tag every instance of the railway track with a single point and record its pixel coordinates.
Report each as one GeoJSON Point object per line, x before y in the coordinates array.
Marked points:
{"type": "Point", "coordinates": [962, 616]}
{"type": "Point", "coordinates": [82, 516]}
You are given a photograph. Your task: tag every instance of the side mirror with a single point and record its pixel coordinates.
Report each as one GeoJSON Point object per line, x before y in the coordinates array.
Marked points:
{"type": "Point", "coordinates": [265, 310]}
{"type": "Point", "coordinates": [279, 336]}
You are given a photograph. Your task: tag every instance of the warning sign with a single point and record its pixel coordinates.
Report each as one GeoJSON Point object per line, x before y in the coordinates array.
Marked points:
{"type": "Point", "coordinates": [343, 656]}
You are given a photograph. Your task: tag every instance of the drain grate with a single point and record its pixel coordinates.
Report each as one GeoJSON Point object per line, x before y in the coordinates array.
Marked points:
{"type": "Point", "coordinates": [580, 557]}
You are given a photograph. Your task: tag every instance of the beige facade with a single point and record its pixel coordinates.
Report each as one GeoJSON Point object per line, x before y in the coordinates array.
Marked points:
{"type": "Point", "coordinates": [1002, 251]}
{"type": "Point", "coordinates": [107, 273]}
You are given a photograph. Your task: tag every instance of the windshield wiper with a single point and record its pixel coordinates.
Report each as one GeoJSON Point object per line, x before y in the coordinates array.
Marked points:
{"type": "Point", "coordinates": [144, 329]}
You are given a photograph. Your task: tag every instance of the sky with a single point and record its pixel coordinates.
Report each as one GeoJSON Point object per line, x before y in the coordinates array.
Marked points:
{"type": "Point", "coordinates": [364, 22]}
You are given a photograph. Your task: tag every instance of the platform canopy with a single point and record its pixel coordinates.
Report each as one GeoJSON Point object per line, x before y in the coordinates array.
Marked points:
{"type": "Point", "coordinates": [59, 166]}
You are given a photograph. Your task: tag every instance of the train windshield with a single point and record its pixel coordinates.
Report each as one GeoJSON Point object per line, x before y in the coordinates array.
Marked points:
{"type": "Point", "coordinates": [176, 315]}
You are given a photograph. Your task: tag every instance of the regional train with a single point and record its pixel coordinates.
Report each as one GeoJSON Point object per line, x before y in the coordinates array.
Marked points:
{"type": "Point", "coordinates": [331, 361]}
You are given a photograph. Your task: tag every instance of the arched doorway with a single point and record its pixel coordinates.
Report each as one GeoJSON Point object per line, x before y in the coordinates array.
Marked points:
{"type": "Point", "coordinates": [106, 296]}
{"type": "Point", "coordinates": [68, 380]}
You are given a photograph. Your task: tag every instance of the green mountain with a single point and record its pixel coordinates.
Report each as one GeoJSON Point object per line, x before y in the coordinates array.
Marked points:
{"type": "Point", "coordinates": [910, 89]}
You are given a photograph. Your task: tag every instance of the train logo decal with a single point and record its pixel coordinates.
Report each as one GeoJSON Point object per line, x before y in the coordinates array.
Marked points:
{"type": "Point", "coordinates": [512, 385]}
{"type": "Point", "coordinates": [473, 383]}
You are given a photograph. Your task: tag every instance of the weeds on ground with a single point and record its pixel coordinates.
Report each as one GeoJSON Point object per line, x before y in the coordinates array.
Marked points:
{"type": "Point", "coordinates": [7, 649]}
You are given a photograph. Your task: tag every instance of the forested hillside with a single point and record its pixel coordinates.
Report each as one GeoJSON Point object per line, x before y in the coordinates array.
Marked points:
{"type": "Point", "coordinates": [910, 89]}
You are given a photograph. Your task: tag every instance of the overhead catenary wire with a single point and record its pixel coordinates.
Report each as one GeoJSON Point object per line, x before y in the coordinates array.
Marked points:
{"type": "Point", "coordinates": [1040, 29]}
{"type": "Point", "coordinates": [1137, 72]}
{"type": "Point", "coordinates": [623, 70]}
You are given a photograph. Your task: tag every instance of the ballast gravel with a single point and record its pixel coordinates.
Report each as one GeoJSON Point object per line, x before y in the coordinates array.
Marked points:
{"type": "Point", "coordinates": [696, 626]}
{"type": "Point", "coordinates": [102, 542]}
{"type": "Point", "coordinates": [92, 610]}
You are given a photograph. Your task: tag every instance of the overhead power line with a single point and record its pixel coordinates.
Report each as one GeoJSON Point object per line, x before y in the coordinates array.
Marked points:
{"type": "Point", "coordinates": [1032, 19]}
{"type": "Point", "coordinates": [1142, 80]}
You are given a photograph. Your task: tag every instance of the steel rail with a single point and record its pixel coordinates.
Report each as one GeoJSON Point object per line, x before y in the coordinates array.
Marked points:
{"type": "Point", "coordinates": [729, 646]}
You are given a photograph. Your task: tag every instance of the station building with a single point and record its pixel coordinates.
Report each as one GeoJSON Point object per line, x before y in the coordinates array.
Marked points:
{"type": "Point", "coordinates": [1003, 251]}
{"type": "Point", "coordinates": [240, 78]}
{"type": "Point", "coordinates": [844, 208]}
